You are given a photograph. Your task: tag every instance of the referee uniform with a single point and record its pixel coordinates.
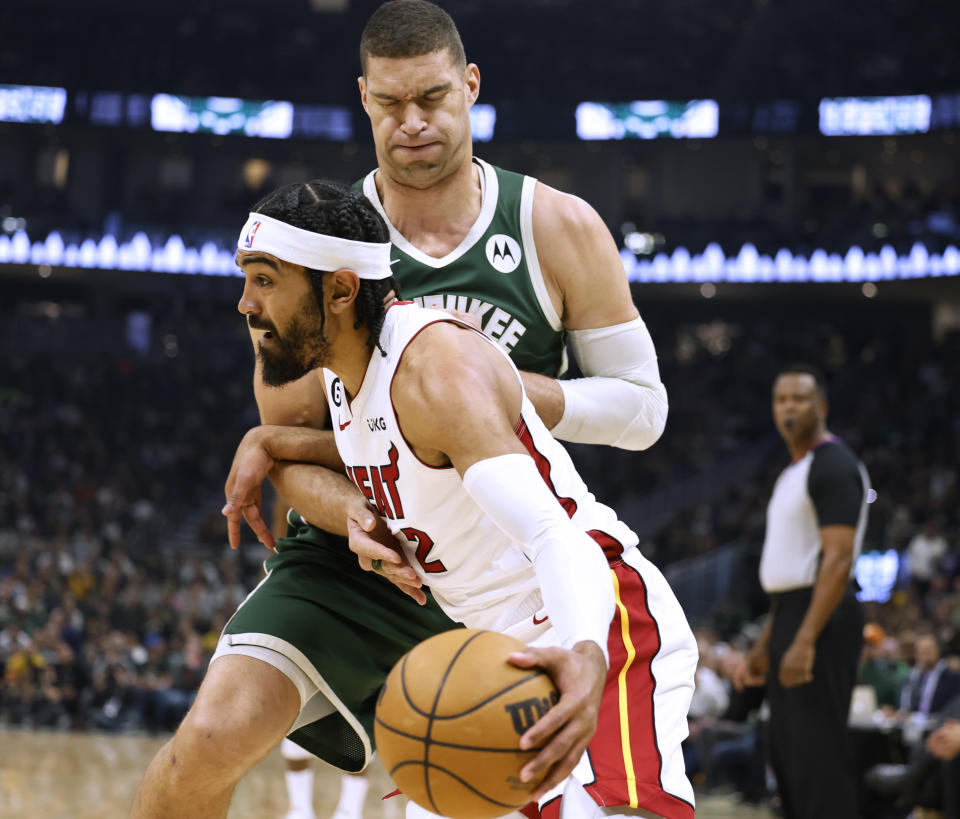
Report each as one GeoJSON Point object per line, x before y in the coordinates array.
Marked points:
{"type": "Point", "coordinates": [827, 486]}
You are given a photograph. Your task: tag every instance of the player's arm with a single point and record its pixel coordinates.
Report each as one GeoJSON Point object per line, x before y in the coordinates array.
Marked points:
{"type": "Point", "coordinates": [295, 404]}
{"type": "Point", "coordinates": [457, 398]}
{"type": "Point", "coordinates": [621, 400]}
{"type": "Point", "coordinates": [836, 489]}
{"type": "Point", "coordinates": [317, 488]}
{"type": "Point", "coordinates": [323, 496]}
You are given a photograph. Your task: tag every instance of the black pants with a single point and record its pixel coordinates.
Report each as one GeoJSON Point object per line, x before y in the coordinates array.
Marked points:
{"type": "Point", "coordinates": [950, 780]}
{"type": "Point", "coordinates": [808, 724]}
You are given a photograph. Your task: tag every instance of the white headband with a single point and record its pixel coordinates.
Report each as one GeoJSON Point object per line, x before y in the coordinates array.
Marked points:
{"type": "Point", "coordinates": [317, 251]}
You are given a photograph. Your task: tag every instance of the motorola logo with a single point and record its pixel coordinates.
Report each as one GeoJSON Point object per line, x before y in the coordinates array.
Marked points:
{"type": "Point", "coordinates": [503, 253]}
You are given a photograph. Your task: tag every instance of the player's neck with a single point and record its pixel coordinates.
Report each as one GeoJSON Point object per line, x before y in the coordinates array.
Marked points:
{"type": "Point", "coordinates": [350, 356]}
{"type": "Point", "coordinates": [436, 218]}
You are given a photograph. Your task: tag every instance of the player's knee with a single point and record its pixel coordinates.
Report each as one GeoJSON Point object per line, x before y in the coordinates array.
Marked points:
{"type": "Point", "coordinates": [243, 709]}
{"type": "Point", "coordinates": [224, 738]}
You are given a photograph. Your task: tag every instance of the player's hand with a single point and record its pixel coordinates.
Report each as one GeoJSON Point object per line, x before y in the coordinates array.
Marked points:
{"type": "Point", "coordinates": [567, 728]}
{"type": "Point", "coordinates": [243, 489]}
{"type": "Point", "coordinates": [796, 667]}
{"type": "Point", "coordinates": [751, 670]}
{"type": "Point", "coordinates": [371, 539]}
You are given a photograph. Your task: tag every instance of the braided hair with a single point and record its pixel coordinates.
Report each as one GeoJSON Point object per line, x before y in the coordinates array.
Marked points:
{"type": "Point", "coordinates": [333, 209]}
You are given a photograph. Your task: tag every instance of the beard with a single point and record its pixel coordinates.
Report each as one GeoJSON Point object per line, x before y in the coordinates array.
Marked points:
{"type": "Point", "coordinates": [301, 349]}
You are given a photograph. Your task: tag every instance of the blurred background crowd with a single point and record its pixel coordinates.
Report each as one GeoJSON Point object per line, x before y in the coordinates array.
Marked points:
{"type": "Point", "coordinates": [123, 394]}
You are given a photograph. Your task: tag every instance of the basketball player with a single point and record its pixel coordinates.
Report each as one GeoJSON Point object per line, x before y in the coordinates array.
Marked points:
{"type": "Point", "coordinates": [433, 426]}
{"type": "Point", "coordinates": [459, 226]}
{"type": "Point", "coordinates": [459, 229]}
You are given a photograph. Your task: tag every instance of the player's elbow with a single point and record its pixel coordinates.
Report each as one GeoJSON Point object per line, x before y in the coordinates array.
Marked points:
{"type": "Point", "coordinates": [649, 419]}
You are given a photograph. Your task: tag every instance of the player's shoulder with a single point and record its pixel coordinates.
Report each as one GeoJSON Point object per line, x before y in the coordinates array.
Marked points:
{"type": "Point", "coordinates": [428, 340]}
{"type": "Point", "coordinates": [442, 348]}
{"type": "Point", "coordinates": [560, 217]}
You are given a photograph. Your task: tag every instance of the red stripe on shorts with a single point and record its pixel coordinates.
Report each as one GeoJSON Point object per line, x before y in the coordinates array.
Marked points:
{"type": "Point", "coordinates": [606, 750]}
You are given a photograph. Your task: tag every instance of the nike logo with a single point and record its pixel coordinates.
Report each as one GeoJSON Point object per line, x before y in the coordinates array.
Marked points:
{"type": "Point", "coordinates": [537, 622]}
{"type": "Point", "coordinates": [343, 426]}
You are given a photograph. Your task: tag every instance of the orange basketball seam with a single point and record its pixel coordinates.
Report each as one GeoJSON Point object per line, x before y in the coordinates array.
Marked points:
{"type": "Point", "coordinates": [463, 782]}
{"type": "Point", "coordinates": [403, 679]}
{"type": "Point", "coordinates": [492, 697]}
{"type": "Point", "coordinates": [441, 743]}
{"type": "Point", "coordinates": [457, 672]}
{"type": "Point", "coordinates": [430, 717]}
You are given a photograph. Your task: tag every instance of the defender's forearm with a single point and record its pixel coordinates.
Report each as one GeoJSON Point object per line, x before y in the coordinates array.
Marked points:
{"type": "Point", "coordinates": [323, 496]}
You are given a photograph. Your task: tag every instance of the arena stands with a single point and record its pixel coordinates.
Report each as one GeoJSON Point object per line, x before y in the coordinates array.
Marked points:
{"type": "Point", "coordinates": [123, 392]}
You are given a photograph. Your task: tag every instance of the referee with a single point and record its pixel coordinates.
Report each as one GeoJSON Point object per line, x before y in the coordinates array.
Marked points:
{"type": "Point", "coordinates": [810, 645]}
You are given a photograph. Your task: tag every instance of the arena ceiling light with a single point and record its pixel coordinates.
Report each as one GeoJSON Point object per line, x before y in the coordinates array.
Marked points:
{"type": "Point", "coordinates": [173, 255]}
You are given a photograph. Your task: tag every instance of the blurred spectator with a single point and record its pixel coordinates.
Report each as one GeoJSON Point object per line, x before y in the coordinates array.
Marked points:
{"type": "Point", "coordinates": [924, 552]}
{"type": "Point", "coordinates": [878, 667]}
{"type": "Point", "coordinates": [931, 683]}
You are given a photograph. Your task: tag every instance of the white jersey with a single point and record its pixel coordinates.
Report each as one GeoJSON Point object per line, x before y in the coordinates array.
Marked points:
{"type": "Point", "coordinates": [477, 574]}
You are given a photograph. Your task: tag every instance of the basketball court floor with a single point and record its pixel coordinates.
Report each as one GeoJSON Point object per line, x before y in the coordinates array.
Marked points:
{"type": "Point", "coordinates": [51, 775]}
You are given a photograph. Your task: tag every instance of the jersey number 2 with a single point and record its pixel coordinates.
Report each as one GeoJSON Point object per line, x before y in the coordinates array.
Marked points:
{"type": "Point", "coordinates": [424, 545]}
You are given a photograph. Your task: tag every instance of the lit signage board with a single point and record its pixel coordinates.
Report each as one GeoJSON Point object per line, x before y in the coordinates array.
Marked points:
{"type": "Point", "coordinates": [221, 115]}
{"type": "Point", "coordinates": [875, 116]}
{"type": "Point", "coordinates": [647, 119]}
{"type": "Point", "coordinates": [32, 103]}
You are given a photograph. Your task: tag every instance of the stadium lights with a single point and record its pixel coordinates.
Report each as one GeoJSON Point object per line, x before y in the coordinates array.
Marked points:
{"type": "Point", "coordinates": [747, 266]}
{"type": "Point", "coordinates": [221, 115]}
{"type": "Point", "coordinates": [875, 116]}
{"type": "Point", "coordinates": [750, 266]}
{"type": "Point", "coordinates": [647, 119]}
{"type": "Point", "coordinates": [32, 103]}
{"type": "Point", "coordinates": [877, 574]}
{"type": "Point", "coordinates": [483, 119]}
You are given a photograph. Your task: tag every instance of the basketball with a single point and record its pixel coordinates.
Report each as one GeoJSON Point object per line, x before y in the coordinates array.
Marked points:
{"type": "Point", "coordinates": [449, 721]}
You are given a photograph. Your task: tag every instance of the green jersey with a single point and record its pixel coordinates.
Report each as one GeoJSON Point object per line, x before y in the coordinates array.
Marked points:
{"type": "Point", "coordinates": [494, 273]}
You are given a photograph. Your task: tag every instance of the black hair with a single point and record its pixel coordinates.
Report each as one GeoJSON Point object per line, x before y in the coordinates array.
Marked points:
{"type": "Point", "coordinates": [807, 369]}
{"type": "Point", "coordinates": [322, 206]}
{"type": "Point", "coordinates": [410, 28]}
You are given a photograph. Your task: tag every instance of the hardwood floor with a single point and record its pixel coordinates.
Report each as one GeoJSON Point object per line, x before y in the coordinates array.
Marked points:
{"type": "Point", "coordinates": [52, 775]}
